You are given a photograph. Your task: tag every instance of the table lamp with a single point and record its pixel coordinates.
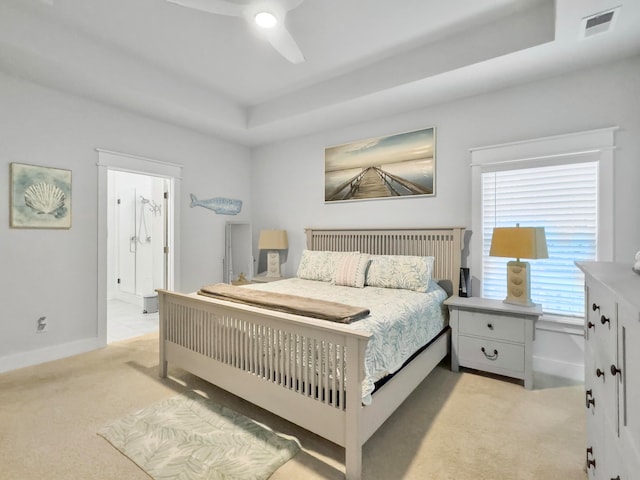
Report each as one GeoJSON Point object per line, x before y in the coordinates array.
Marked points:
{"type": "Point", "coordinates": [519, 242]}
{"type": "Point", "coordinates": [273, 240]}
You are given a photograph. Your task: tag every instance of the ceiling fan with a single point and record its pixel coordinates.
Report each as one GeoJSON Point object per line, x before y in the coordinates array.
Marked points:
{"type": "Point", "coordinates": [267, 14]}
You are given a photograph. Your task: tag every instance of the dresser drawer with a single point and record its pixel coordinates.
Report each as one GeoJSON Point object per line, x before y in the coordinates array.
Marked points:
{"type": "Point", "coordinates": [492, 325]}
{"type": "Point", "coordinates": [509, 357]}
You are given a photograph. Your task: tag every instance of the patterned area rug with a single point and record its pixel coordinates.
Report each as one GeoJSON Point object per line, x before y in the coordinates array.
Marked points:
{"type": "Point", "coordinates": [187, 437]}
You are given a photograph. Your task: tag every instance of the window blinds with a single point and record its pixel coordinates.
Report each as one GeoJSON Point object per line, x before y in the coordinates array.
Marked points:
{"type": "Point", "coordinates": [564, 200]}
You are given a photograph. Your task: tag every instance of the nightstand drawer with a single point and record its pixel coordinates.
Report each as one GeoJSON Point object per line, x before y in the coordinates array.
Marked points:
{"type": "Point", "coordinates": [492, 325]}
{"type": "Point", "coordinates": [509, 357]}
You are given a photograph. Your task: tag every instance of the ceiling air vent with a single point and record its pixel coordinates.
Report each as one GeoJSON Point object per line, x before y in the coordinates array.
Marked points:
{"type": "Point", "coordinates": [600, 22]}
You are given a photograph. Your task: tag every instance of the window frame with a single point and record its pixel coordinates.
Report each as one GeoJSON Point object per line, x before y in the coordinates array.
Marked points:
{"type": "Point", "coordinates": [593, 145]}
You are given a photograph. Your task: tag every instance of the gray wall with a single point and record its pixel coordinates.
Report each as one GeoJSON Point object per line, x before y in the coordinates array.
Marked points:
{"type": "Point", "coordinates": [53, 272]}
{"type": "Point", "coordinates": [287, 177]}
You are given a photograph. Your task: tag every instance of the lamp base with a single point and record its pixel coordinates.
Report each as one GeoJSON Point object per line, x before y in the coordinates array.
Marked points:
{"type": "Point", "coordinates": [273, 265]}
{"type": "Point", "coordinates": [519, 284]}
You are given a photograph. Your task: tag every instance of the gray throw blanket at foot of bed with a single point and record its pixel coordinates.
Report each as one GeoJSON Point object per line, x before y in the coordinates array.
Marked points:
{"type": "Point", "coordinates": [308, 307]}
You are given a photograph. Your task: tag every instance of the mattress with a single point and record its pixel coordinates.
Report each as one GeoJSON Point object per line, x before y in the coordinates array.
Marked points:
{"type": "Point", "coordinates": [400, 321]}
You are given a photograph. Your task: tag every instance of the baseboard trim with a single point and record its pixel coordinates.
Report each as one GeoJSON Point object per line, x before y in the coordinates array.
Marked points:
{"type": "Point", "coordinates": [56, 352]}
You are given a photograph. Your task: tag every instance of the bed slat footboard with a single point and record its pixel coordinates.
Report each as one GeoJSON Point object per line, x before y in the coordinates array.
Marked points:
{"type": "Point", "coordinates": [275, 357]}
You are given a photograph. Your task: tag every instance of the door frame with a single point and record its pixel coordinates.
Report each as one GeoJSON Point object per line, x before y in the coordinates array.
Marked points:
{"type": "Point", "coordinates": [110, 160]}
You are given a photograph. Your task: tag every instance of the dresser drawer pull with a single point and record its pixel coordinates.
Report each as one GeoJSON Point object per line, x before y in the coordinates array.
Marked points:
{"type": "Point", "coordinates": [615, 370]}
{"type": "Point", "coordinates": [595, 307]}
{"type": "Point", "coordinates": [490, 357]}
{"type": "Point", "coordinates": [600, 373]}
{"type": "Point", "coordinates": [490, 326]}
{"type": "Point", "coordinates": [589, 398]}
{"type": "Point", "coordinates": [615, 478]}
{"type": "Point", "coordinates": [604, 320]}
{"type": "Point", "coordinates": [590, 324]}
{"type": "Point", "coordinates": [590, 462]}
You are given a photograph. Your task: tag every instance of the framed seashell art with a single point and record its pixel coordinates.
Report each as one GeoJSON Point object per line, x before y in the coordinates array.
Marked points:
{"type": "Point", "coordinates": [40, 197]}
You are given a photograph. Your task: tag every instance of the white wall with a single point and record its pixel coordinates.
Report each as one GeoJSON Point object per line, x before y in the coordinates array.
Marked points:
{"type": "Point", "coordinates": [53, 272]}
{"type": "Point", "coordinates": [287, 177]}
{"type": "Point", "coordinates": [601, 97]}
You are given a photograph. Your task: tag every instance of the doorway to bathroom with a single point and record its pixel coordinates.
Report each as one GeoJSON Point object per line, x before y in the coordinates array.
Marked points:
{"type": "Point", "coordinates": [137, 224]}
{"type": "Point", "coordinates": [138, 235]}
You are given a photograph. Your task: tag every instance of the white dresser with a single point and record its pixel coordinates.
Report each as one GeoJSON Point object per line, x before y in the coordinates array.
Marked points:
{"type": "Point", "coordinates": [612, 370]}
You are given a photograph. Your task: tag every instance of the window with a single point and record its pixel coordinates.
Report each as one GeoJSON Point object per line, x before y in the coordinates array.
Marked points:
{"type": "Point", "coordinates": [564, 200]}
{"type": "Point", "coordinates": [563, 183]}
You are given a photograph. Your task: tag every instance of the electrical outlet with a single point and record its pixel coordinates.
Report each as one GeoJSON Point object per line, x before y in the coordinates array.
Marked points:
{"type": "Point", "coordinates": [42, 325]}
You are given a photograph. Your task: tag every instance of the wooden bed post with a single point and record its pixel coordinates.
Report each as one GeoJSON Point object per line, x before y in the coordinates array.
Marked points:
{"type": "Point", "coordinates": [162, 308]}
{"type": "Point", "coordinates": [353, 423]}
{"type": "Point", "coordinates": [309, 234]}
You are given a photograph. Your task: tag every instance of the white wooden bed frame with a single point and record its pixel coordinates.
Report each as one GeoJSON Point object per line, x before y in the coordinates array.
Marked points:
{"type": "Point", "coordinates": [264, 356]}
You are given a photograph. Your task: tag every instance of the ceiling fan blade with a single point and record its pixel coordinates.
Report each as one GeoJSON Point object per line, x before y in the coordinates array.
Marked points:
{"type": "Point", "coordinates": [283, 42]}
{"type": "Point", "coordinates": [218, 7]}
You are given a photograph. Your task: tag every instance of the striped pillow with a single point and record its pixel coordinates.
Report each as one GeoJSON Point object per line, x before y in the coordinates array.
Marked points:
{"type": "Point", "coordinates": [319, 265]}
{"type": "Point", "coordinates": [351, 270]}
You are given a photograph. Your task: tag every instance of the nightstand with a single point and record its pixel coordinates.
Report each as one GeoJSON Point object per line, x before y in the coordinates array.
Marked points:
{"type": "Point", "coordinates": [265, 279]}
{"type": "Point", "coordinates": [493, 336]}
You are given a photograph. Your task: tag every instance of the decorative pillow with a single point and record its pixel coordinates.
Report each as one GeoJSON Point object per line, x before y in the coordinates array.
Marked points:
{"type": "Point", "coordinates": [319, 265]}
{"type": "Point", "coordinates": [406, 272]}
{"type": "Point", "coordinates": [351, 270]}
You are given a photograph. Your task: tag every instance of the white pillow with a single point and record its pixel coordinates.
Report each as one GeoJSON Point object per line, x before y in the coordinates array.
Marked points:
{"type": "Point", "coordinates": [319, 264]}
{"type": "Point", "coordinates": [351, 270]}
{"type": "Point", "coordinates": [406, 272]}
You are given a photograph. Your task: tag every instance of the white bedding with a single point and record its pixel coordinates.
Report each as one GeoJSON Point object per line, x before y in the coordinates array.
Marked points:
{"type": "Point", "coordinates": [401, 321]}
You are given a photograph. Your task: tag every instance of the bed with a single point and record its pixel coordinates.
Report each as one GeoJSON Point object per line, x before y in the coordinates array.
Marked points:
{"type": "Point", "coordinates": [310, 371]}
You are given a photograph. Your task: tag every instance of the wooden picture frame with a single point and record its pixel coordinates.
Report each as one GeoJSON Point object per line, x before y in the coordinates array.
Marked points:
{"type": "Point", "coordinates": [395, 166]}
{"type": "Point", "coordinates": [40, 197]}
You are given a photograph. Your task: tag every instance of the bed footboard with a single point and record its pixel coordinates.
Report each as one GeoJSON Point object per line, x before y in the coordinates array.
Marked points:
{"type": "Point", "coordinates": [305, 370]}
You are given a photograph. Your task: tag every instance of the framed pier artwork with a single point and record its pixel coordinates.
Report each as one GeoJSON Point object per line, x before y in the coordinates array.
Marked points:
{"type": "Point", "coordinates": [395, 166]}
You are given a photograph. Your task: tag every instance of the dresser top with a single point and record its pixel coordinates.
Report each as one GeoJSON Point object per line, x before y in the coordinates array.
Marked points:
{"type": "Point", "coordinates": [617, 277]}
{"type": "Point", "coordinates": [475, 303]}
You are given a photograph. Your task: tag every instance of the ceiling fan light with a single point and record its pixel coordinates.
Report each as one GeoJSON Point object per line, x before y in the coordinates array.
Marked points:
{"type": "Point", "coordinates": [265, 19]}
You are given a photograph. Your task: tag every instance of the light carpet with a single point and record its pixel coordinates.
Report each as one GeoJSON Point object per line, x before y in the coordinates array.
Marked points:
{"type": "Point", "coordinates": [454, 426]}
{"type": "Point", "coordinates": [189, 438]}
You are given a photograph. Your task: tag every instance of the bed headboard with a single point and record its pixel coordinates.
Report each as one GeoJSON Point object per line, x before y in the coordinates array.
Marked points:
{"type": "Point", "coordinates": [445, 244]}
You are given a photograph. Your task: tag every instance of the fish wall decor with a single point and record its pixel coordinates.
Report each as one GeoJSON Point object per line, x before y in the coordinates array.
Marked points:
{"type": "Point", "coordinates": [220, 205]}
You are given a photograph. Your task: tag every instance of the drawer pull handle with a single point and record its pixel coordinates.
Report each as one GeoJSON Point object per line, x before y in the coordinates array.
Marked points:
{"type": "Point", "coordinates": [604, 320]}
{"type": "Point", "coordinates": [589, 398]}
{"type": "Point", "coordinates": [599, 373]}
{"type": "Point", "coordinates": [490, 357]}
{"type": "Point", "coordinates": [591, 325]}
{"type": "Point", "coordinates": [490, 326]}
{"type": "Point", "coordinates": [595, 307]}
{"type": "Point", "coordinates": [615, 478]}
{"type": "Point", "coordinates": [615, 370]}
{"type": "Point", "coordinates": [590, 462]}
